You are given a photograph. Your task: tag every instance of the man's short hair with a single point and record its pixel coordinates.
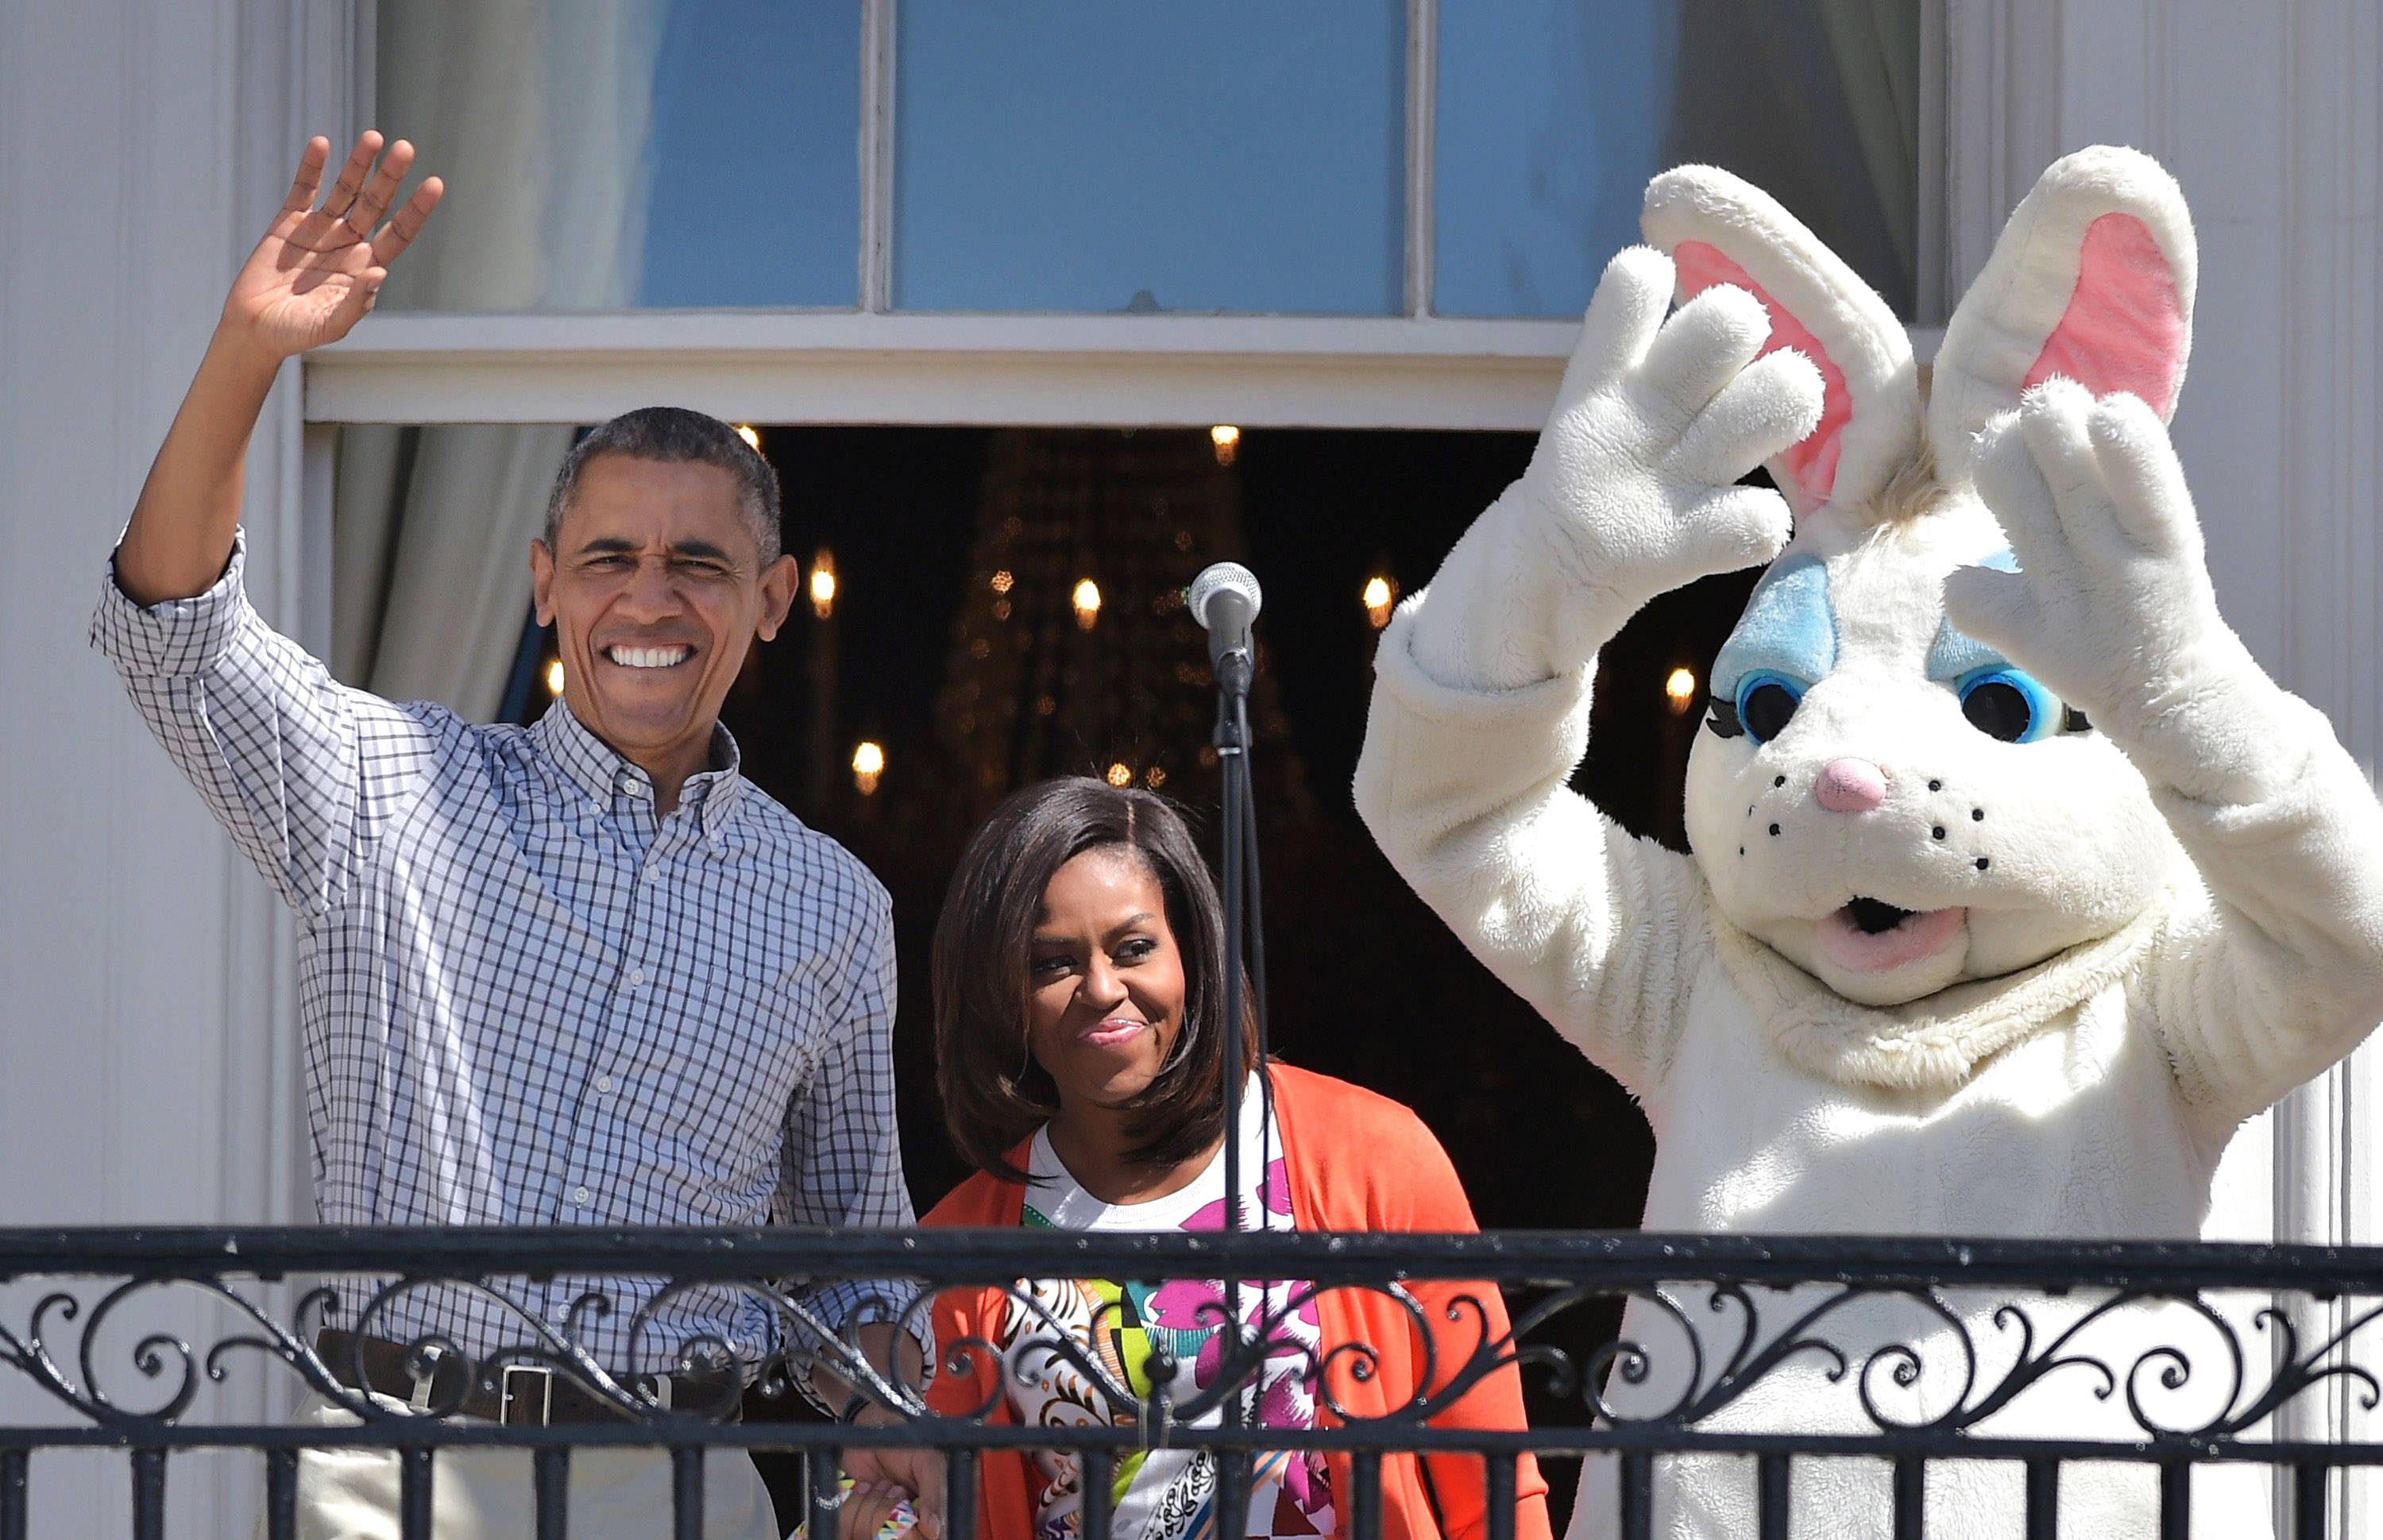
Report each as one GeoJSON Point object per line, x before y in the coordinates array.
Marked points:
{"type": "Point", "coordinates": [674, 435]}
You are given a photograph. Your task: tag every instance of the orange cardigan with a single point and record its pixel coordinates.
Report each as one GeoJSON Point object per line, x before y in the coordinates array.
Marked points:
{"type": "Point", "coordinates": [1356, 1162]}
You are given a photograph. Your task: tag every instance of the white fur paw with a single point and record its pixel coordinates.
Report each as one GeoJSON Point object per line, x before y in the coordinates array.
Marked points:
{"type": "Point", "coordinates": [1775, 401]}
{"type": "Point", "coordinates": [2113, 593]}
{"type": "Point", "coordinates": [1656, 422]}
{"type": "Point", "coordinates": [1996, 607]}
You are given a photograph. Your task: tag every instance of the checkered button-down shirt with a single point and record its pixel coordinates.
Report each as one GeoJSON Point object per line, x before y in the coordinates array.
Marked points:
{"type": "Point", "coordinates": [528, 999]}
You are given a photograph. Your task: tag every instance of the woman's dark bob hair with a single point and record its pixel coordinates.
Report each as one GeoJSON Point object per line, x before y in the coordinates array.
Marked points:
{"type": "Point", "coordinates": [995, 1094]}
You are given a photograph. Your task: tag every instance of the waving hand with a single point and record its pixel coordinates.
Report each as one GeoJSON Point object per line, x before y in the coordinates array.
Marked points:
{"type": "Point", "coordinates": [319, 269]}
{"type": "Point", "coordinates": [310, 280]}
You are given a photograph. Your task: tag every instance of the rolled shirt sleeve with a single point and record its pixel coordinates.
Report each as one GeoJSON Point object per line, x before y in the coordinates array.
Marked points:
{"type": "Point", "coordinates": [299, 768]}
{"type": "Point", "coordinates": [184, 638]}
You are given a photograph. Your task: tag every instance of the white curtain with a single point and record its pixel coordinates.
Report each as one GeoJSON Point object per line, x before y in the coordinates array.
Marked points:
{"type": "Point", "coordinates": [1876, 45]}
{"type": "Point", "coordinates": [538, 116]}
{"type": "Point", "coordinates": [1817, 104]}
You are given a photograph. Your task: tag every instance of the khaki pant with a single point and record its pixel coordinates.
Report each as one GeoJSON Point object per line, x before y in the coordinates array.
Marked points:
{"type": "Point", "coordinates": [487, 1494]}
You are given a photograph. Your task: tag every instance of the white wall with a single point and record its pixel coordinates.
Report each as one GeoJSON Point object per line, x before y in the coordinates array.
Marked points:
{"type": "Point", "coordinates": [143, 971]}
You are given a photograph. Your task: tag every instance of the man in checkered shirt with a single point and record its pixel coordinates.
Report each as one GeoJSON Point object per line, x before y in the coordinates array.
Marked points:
{"type": "Point", "coordinates": [580, 974]}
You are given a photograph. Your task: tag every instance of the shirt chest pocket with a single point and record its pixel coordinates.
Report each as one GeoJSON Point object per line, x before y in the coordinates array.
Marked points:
{"type": "Point", "coordinates": [719, 1068]}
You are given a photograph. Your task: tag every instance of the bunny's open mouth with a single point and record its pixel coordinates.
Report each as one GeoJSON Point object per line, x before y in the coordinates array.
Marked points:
{"type": "Point", "coordinates": [1869, 935]}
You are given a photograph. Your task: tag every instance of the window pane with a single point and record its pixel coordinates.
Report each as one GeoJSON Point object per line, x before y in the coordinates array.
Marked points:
{"type": "Point", "coordinates": [629, 153]}
{"type": "Point", "coordinates": [756, 171]}
{"type": "Point", "coordinates": [1552, 114]}
{"type": "Point", "coordinates": [1207, 155]}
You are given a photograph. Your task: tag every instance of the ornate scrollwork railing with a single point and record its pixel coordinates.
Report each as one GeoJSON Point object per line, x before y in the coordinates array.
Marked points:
{"type": "Point", "coordinates": [1749, 1376]}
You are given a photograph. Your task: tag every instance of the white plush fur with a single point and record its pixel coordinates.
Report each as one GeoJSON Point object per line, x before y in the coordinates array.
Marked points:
{"type": "Point", "coordinates": [2000, 325]}
{"type": "Point", "coordinates": [1857, 327]}
{"type": "Point", "coordinates": [2181, 914]}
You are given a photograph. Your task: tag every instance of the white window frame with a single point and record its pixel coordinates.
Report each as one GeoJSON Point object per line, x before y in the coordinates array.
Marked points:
{"type": "Point", "coordinates": [873, 364]}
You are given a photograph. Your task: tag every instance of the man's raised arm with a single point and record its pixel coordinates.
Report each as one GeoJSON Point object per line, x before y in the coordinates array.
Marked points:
{"type": "Point", "coordinates": [299, 768]}
{"type": "Point", "coordinates": [311, 279]}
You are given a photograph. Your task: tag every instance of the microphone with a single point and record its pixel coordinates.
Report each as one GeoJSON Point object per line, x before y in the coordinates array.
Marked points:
{"type": "Point", "coordinates": [1224, 599]}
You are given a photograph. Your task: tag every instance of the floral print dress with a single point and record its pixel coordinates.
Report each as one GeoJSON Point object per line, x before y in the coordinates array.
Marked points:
{"type": "Point", "coordinates": [1135, 1332]}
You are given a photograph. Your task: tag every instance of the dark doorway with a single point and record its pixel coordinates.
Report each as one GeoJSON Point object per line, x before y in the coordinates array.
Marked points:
{"type": "Point", "coordinates": [956, 642]}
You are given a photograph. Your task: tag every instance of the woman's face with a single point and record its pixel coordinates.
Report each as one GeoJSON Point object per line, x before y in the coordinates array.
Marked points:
{"type": "Point", "coordinates": [1104, 979]}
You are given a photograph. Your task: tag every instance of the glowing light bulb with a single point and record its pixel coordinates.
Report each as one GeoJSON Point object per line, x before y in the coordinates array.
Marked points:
{"type": "Point", "coordinates": [1381, 591]}
{"type": "Point", "coordinates": [1681, 687]}
{"type": "Point", "coordinates": [1155, 777]}
{"type": "Point", "coordinates": [823, 583]}
{"type": "Point", "coordinates": [751, 435]}
{"type": "Point", "coordinates": [554, 677]}
{"type": "Point", "coordinates": [1087, 600]}
{"type": "Point", "coordinates": [867, 766]}
{"type": "Point", "coordinates": [1121, 774]}
{"type": "Point", "coordinates": [1004, 581]}
{"type": "Point", "coordinates": [1228, 440]}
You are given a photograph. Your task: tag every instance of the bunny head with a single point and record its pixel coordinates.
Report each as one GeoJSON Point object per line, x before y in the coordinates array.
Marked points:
{"type": "Point", "coordinates": [1885, 801]}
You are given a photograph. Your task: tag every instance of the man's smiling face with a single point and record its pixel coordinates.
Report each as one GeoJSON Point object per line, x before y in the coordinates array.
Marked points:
{"type": "Point", "coordinates": [656, 587]}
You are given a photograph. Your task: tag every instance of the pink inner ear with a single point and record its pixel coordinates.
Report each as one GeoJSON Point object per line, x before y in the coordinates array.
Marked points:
{"type": "Point", "coordinates": [2124, 327]}
{"type": "Point", "coordinates": [1812, 462]}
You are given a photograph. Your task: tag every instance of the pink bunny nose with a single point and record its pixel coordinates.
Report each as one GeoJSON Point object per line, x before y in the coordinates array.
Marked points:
{"type": "Point", "coordinates": [1850, 786]}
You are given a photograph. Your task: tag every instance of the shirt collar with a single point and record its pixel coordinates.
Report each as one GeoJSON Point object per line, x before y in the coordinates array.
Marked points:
{"type": "Point", "coordinates": [714, 792]}
{"type": "Point", "coordinates": [596, 768]}
{"type": "Point", "coordinates": [584, 758]}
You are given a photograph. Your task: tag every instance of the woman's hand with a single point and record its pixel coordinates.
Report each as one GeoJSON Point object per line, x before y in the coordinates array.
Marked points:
{"type": "Point", "coordinates": [318, 270]}
{"type": "Point", "coordinates": [884, 1477]}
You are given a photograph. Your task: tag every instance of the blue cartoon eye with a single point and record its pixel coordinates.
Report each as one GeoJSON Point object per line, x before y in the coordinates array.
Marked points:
{"type": "Point", "coordinates": [2002, 702]}
{"type": "Point", "coordinates": [1766, 700]}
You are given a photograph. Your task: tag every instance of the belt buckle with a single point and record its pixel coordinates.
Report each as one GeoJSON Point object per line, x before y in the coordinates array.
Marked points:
{"type": "Point", "coordinates": [506, 1398]}
{"type": "Point", "coordinates": [427, 1379]}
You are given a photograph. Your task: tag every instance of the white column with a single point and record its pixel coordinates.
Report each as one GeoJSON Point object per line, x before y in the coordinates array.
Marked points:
{"type": "Point", "coordinates": [148, 997]}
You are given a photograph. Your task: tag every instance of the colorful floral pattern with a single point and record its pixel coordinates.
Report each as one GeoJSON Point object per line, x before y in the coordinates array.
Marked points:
{"type": "Point", "coordinates": [1131, 1333]}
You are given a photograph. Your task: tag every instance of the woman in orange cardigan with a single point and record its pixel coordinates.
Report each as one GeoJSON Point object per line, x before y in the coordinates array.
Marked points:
{"type": "Point", "coordinates": [1078, 977]}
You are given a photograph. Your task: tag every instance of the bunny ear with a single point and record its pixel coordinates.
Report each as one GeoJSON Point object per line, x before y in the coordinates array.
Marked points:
{"type": "Point", "coordinates": [2092, 280]}
{"type": "Point", "coordinates": [1718, 229]}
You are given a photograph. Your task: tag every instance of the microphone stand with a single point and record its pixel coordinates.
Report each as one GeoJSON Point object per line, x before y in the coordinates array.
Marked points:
{"type": "Point", "coordinates": [1233, 672]}
{"type": "Point", "coordinates": [1239, 836]}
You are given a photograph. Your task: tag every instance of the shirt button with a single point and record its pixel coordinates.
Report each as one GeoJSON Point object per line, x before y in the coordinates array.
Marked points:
{"type": "Point", "coordinates": [580, 1196]}
{"type": "Point", "coordinates": [637, 978]}
{"type": "Point", "coordinates": [603, 1085]}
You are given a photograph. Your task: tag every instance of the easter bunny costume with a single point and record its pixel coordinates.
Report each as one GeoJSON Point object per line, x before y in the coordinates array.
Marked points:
{"type": "Point", "coordinates": [2018, 885]}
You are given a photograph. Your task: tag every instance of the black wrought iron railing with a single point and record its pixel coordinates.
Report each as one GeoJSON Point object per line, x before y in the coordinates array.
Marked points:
{"type": "Point", "coordinates": [1803, 1386]}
